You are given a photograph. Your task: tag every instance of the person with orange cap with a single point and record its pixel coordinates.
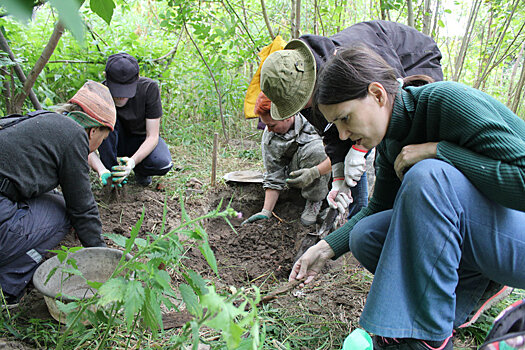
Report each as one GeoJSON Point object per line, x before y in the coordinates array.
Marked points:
{"type": "Point", "coordinates": [293, 154]}
{"type": "Point", "coordinates": [41, 151]}
{"type": "Point", "coordinates": [288, 78]}
{"type": "Point", "coordinates": [135, 145]}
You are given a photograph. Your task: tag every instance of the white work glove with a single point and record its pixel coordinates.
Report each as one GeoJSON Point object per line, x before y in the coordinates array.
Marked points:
{"type": "Point", "coordinates": [355, 165]}
{"type": "Point", "coordinates": [122, 171]}
{"type": "Point", "coordinates": [339, 196]}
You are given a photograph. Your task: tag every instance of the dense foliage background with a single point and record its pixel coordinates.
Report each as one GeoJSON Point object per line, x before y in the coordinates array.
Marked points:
{"type": "Point", "coordinates": [203, 52]}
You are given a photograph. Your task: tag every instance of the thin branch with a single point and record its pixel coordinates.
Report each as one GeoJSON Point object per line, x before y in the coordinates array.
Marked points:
{"type": "Point", "coordinates": [240, 20]}
{"type": "Point", "coordinates": [499, 42]}
{"type": "Point", "coordinates": [214, 82]}
{"type": "Point", "coordinates": [39, 66]}
{"type": "Point", "coordinates": [18, 71]}
{"type": "Point", "coordinates": [266, 20]}
{"type": "Point", "coordinates": [75, 62]}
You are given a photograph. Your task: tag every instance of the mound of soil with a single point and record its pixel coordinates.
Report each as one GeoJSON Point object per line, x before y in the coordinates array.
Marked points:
{"type": "Point", "coordinates": [261, 253]}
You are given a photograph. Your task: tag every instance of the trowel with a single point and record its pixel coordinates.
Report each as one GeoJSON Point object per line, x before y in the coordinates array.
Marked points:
{"type": "Point", "coordinates": [313, 237]}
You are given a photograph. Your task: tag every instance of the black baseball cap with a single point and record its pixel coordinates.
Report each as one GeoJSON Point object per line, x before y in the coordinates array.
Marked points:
{"type": "Point", "coordinates": [122, 73]}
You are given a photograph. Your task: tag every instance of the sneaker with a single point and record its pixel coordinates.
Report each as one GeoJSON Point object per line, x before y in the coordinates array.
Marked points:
{"type": "Point", "coordinates": [143, 180]}
{"type": "Point", "coordinates": [309, 215]}
{"type": "Point", "coordinates": [494, 293]}
{"type": "Point", "coordinates": [410, 344]}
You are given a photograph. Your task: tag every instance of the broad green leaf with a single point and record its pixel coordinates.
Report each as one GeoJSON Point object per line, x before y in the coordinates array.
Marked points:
{"type": "Point", "coordinates": [119, 240]}
{"type": "Point", "coordinates": [151, 311]}
{"type": "Point", "coordinates": [134, 300]}
{"type": "Point", "coordinates": [94, 284]}
{"type": "Point", "coordinates": [113, 291]}
{"type": "Point", "coordinates": [163, 278]}
{"type": "Point", "coordinates": [224, 320]}
{"type": "Point", "coordinates": [68, 12]}
{"type": "Point", "coordinates": [71, 271]}
{"type": "Point", "coordinates": [103, 8]}
{"type": "Point", "coordinates": [21, 9]}
{"type": "Point", "coordinates": [197, 282]}
{"type": "Point", "coordinates": [209, 256]}
{"type": "Point", "coordinates": [191, 300]}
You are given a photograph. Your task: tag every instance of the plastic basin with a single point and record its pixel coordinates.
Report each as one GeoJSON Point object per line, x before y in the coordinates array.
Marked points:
{"type": "Point", "coordinates": [96, 264]}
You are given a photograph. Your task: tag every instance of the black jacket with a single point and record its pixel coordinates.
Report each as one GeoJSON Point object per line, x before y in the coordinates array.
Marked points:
{"type": "Point", "coordinates": [407, 50]}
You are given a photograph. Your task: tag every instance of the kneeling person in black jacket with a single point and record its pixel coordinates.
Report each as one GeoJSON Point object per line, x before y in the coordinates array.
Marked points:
{"type": "Point", "coordinates": [39, 152]}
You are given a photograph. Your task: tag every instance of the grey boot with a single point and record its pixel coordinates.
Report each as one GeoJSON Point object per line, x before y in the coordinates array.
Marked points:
{"type": "Point", "coordinates": [309, 215]}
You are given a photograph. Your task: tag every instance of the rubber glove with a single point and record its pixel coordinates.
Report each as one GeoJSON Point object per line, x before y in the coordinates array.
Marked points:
{"type": "Point", "coordinates": [104, 176]}
{"type": "Point", "coordinates": [338, 197]}
{"type": "Point", "coordinates": [355, 165]}
{"type": "Point", "coordinates": [262, 215]}
{"type": "Point", "coordinates": [303, 177]}
{"type": "Point", "coordinates": [122, 171]}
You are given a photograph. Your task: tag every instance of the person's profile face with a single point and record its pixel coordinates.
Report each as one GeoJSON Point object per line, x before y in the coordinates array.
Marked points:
{"type": "Point", "coordinates": [363, 120]}
{"type": "Point", "coordinates": [277, 126]}
{"type": "Point", "coordinates": [120, 101]}
{"type": "Point", "coordinates": [96, 136]}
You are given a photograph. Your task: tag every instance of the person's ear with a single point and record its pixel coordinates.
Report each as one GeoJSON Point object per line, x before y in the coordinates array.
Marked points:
{"type": "Point", "coordinates": [378, 92]}
{"type": "Point", "coordinates": [91, 132]}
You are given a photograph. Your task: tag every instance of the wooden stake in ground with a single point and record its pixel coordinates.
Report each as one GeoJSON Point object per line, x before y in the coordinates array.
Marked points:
{"type": "Point", "coordinates": [214, 159]}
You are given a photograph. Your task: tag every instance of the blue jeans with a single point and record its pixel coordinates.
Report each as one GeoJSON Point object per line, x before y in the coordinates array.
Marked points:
{"type": "Point", "coordinates": [435, 252]}
{"type": "Point", "coordinates": [120, 143]}
{"type": "Point", "coordinates": [28, 229]}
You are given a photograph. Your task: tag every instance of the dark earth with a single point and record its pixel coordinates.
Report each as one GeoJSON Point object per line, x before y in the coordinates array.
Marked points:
{"type": "Point", "coordinates": [261, 253]}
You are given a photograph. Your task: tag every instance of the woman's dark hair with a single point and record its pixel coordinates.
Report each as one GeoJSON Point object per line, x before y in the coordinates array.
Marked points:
{"type": "Point", "coordinates": [347, 75]}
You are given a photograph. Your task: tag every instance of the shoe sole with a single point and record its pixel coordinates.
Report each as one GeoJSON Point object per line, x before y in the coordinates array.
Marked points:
{"type": "Point", "coordinates": [496, 298]}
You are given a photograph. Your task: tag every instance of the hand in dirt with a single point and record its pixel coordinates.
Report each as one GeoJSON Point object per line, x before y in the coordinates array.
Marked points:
{"type": "Point", "coordinates": [106, 174]}
{"type": "Point", "coordinates": [310, 264]}
{"type": "Point", "coordinates": [303, 177]}
{"type": "Point", "coordinates": [411, 154]}
{"type": "Point", "coordinates": [122, 171]}
{"type": "Point", "coordinates": [262, 215]}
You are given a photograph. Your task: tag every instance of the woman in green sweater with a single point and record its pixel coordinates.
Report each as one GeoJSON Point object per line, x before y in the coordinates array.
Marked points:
{"type": "Point", "coordinates": [445, 222]}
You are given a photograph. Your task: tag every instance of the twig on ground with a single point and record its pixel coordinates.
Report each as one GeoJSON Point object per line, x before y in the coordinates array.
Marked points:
{"type": "Point", "coordinates": [286, 288]}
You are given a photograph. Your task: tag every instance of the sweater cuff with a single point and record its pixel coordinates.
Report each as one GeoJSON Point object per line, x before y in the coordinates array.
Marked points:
{"type": "Point", "coordinates": [339, 241]}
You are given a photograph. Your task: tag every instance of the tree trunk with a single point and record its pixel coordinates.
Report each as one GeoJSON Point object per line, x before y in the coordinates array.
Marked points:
{"type": "Point", "coordinates": [39, 66]}
{"type": "Point", "coordinates": [519, 89]}
{"type": "Point", "coordinates": [410, 11]}
{"type": "Point", "coordinates": [427, 17]}
{"type": "Point", "coordinates": [20, 74]}
{"type": "Point", "coordinates": [316, 30]}
{"type": "Point", "coordinates": [297, 18]}
{"type": "Point", "coordinates": [292, 20]}
{"type": "Point", "coordinates": [383, 10]}
{"type": "Point", "coordinates": [460, 59]}
{"type": "Point", "coordinates": [434, 33]}
{"type": "Point", "coordinates": [266, 20]}
{"type": "Point", "coordinates": [513, 75]}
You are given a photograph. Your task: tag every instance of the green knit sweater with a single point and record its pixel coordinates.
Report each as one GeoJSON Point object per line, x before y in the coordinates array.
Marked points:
{"type": "Point", "coordinates": [475, 133]}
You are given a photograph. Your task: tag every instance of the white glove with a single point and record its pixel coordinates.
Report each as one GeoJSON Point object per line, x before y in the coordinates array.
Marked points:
{"type": "Point", "coordinates": [355, 165]}
{"type": "Point", "coordinates": [122, 171]}
{"type": "Point", "coordinates": [339, 196]}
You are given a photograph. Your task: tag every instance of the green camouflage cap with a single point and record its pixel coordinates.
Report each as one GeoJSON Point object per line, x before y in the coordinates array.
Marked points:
{"type": "Point", "coordinates": [288, 79]}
